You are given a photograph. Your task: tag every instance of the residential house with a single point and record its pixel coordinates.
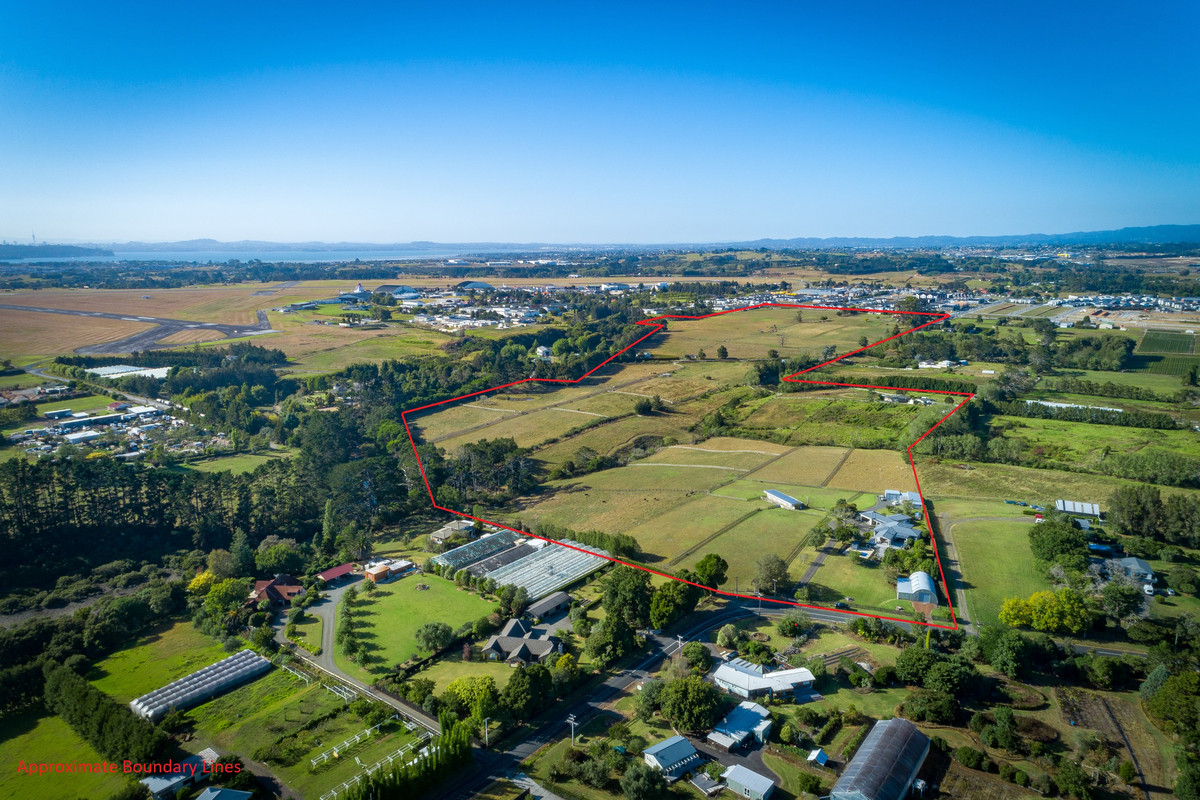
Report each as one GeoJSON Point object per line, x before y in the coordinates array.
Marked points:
{"type": "Point", "coordinates": [1137, 569]}
{"type": "Point", "coordinates": [279, 591]}
{"type": "Point", "coordinates": [747, 783]}
{"type": "Point", "coordinates": [892, 530]}
{"type": "Point", "coordinates": [749, 722]}
{"type": "Point", "coordinates": [520, 643]}
{"type": "Point", "coordinates": [673, 757]}
{"type": "Point", "coordinates": [459, 527]}
{"type": "Point", "coordinates": [894, 497]}
{"type": "Point", "coordinates": [214, 793]}
{"type": "Point", "coordinates": [744, 679]}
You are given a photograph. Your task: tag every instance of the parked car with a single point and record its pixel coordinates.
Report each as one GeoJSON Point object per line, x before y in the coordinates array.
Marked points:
{"type": "Point", "coordinates": [1022, 503]}
{"type": "Point", "coordinates": [841, 606]}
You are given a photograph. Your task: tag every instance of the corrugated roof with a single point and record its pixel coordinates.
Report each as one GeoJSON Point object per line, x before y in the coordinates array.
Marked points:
{"type": "Point", "coordinates": [671, 751]}
{"type": "Point", "coordinates": [885, 763]}
{"type": "Point", "coordinates": [748, 778]}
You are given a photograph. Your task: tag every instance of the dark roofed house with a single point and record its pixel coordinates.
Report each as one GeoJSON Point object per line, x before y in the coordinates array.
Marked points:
{"type": "Point", "coordinates": [458, 527]}
{"type": "Point", "coordinates": [520, 643]}
{"type": "Point", "coordinates": [551, 604]}
{"type": "Point", "coordinates": [674, 757]}
{"type": "Point", "coordinates": [278, 591]}
{"type": "Point", "coordinates": [886, 764]}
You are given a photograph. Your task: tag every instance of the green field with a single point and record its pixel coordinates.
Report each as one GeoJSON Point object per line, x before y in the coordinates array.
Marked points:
{"type": "Point", "coordinates": [806, 419]}
{"type": "Point", "coordinates": [1166, 365]}
{"type": "Point", "coordinates": [237, 464]}
{"type": "Point", "coordinates": [1167, 342]}
{"type": "Point", "coordinates": [280, 705]}
{"type": "Point", "coordinates": [866, 586]}
{"type": "Point", "coordinates": [750, 334]}
{"type": "Point", "coordinates": [47, 739]}
{"type": "Point", "coordinates": [774, 530]}
{"type": "Point", "coordinates": [451, 666]}
{"type": "Point", "coordinates": [946, 479]}
{"type": "Point", "coordinates": [22, 380]}
{"type": "Point", "coordinates": [996, 564]}
{"type": "Point", "coordinates": [93, 402]}
{"type": "Point", "coordinates": [167, 654]}
{"type": "Point", "coordinates": [1083, 445]}
{"type": "Point", "coordinates": [1166, 384]}
{"type": "Point", "coordinates": [390, 618]}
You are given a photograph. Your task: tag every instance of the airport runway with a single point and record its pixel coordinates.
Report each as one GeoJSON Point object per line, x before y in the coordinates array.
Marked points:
{"type": "Point", "coordinates": [148, 339]}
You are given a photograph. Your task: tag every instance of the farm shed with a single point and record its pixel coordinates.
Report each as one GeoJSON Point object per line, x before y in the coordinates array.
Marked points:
{"type": "Point", "coordinates": [744, 679]}
{"type": "Point", "coordinates": [201, 685]}
{"type": "Point", "coordinates": [918, 587]}
{"type": "Point", "coordinates": [549, 605]}
{"type": "Point", "coordinates": [782, 500]}
{"type": "Point", "coordinates": [1078, 509]}
{"type": "Point", "coordinates": [749, 721]}
{"type": "Point", "coordinates": [336, 573]}
{"type": "Point", "coordinates": [886, 764]}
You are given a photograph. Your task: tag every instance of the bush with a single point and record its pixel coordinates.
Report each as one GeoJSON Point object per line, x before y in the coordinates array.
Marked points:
{"type": "Point", "coordinates": [970, 757]}
{"type": "Point", "coordinates": [1127, 772]}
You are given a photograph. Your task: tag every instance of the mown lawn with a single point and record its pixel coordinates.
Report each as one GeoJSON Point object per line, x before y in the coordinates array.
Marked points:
{"type": "Point", "coordinates": [237, 464]}
{"type": "Point", "coordinates": [996, 564]}
{"type": "Point", "coordinates": [390, 617]}
{"type": "Point", "coordinates": [169, 653]}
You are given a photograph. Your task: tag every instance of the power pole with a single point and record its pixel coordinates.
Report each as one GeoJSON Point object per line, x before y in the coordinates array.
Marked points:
{"type": "Point", "coordinates": [485, 731]}
{"type": "Point", "coordinates": [571, 722]}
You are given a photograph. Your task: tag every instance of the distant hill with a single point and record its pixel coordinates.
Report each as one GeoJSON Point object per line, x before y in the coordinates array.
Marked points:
{"type": "Point", "coordinates": [10, 251]}
{"type": "Point", "coordinates": [1155, 234]}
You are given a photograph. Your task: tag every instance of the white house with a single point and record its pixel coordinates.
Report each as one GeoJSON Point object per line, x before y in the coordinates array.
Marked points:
{"type": "Point", "coordinates": [748, 783]}
{"type": "Point", "coordinates": [744, 679]}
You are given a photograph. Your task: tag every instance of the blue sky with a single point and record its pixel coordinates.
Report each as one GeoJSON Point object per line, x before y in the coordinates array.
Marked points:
{"type": "Point", "coordinates": [590, 122]}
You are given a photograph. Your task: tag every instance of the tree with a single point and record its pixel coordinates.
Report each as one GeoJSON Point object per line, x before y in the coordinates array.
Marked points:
{"type": "Point", "coordinates": [1135, 510]}
{"type": "Point", "coordinates": [769, 571]}
{"type": "Point", "coordinates": [712, 570]}
{"type": "Point", "coordinates": [794, 622]}
{"type": "Point", "coordinates": [1058, 541]}
{"type": "Point", "coordinates": [242, 554]}
{"type": "Point", "coordinates": [434, 636]}
{"type": "Point", "coordinates": [1121, 600]}
{"type": "Point", "coordinates": [642, 781]}
{"type": "Point", "coordinates": [221, 564]}
{"type": "Point", "coordinates": [1072, 781]}
{"type": "Point", "coordinates": [667, 604]}
{"type": "Point", "coordinates": [225, 597]}
{"type": "Point", "coordinates": [951, 676]}
{"type": "Point", "coordinates": [913, 663]}
{"type": "Point", "coordinates": [697, 656]}
{"type": "Point", "coordinates": [627, 594]}
{"type": "Point", "coordinates": [728, 636]}
{"type": "Point", "coordinates": [648, 699]}
{"type": "Point", "coordinates": [722, 352]}
{"type": "Point", "coordinates": [280, 558]}
{"type": "Point", "coordinates": [328, 539]}
{"type": "Point", "coordinates": [691, 703]}
{"type": "Point", "coordinates": [642, 406]}
{"type": "Point", "coordinates": [1182, 579]}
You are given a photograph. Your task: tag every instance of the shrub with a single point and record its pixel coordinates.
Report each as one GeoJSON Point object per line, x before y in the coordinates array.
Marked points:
{"type": "Point", "coordinates": [969, 757]}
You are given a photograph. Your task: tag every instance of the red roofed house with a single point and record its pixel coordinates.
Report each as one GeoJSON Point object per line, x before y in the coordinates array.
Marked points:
{"type": "Point", "coordinates": [279, 591]}
{"type": "Point", "coordinates": [336, 573]}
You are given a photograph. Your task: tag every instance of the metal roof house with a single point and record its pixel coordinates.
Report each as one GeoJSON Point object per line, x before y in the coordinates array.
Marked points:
{"type": "Point", "coordinates": [886, 764]}
{"type": "Point", "coordinates": [894, 496]}
{"type": "Point", "coordinates": [894, 530]}
{"type": "Point", "coordinates": [749, 721]}
{"type": "Point", "coordinates": [744, 679]}
{"type": "Point", "coordinates": [673, 757]}
{"type": "Point", "coordinates": [918, 587]}
{"type": "Point", "coordinates": [1137, 569]}
{"type": "Point", "coordinates": [1077, 509]}
{"type": "Point", "coordinates": [748, 783]}
{"type": "Point", "coordinates": [782, 500]}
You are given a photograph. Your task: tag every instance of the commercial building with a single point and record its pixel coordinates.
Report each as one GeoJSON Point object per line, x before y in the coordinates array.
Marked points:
{"type": "Point", "coordinates": [886, 765]}
{"type": "Point", "coordinates": [549, 605]}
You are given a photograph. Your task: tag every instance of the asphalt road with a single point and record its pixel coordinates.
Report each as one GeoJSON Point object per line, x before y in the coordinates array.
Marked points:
{"type": "Point", "coordinates": [148, 339]}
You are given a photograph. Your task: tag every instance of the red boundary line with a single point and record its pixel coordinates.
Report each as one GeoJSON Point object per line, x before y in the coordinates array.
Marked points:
{"type": "Point", "coordinates": [793, 378]}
